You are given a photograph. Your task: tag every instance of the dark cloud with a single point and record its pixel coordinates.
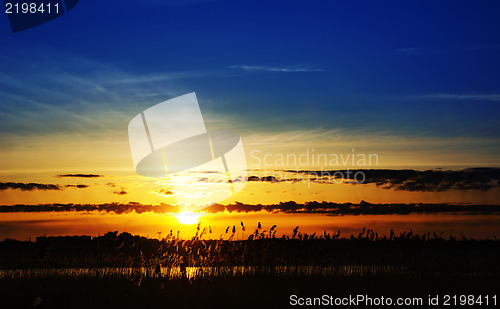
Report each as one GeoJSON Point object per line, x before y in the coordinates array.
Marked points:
{"type": "Point", "coordinates": [333, 209]}
{"type": "Point", "coordinates": [109, 208]}
{"type": "Point", "coordinates": [481, 179]}
{"type": "Point", "coordinates": [121, 192]}
{"type": "Point", "coordinates": [275, 179]}
{"type": "Point", "coordinates": [80, 175]}
{"type": "Point", "coordinates": [36, 186]}
{"type": "Point", "coordinates": [77, 186]}
{"type": "Point", "coordinates": [28, 186]}
{"type": "Point", "coordinates": [165, 192]}
{"type": "Point", "coordinates": [264, 178]}
{"type": "Point", "coordinates": [363, 208]}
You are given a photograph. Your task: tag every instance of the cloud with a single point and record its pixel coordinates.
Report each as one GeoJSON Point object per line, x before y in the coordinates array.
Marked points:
{"type": "Point", "coordinates": [63, 98]}
{"type": "Point", "coordinates": [264, 178]}
{"type": "Point", "coordinates": [36, 186]}
{"type": "Point", "coordinates": [165, 192]}
{"type": "Point", "coordinates": [327, 208]}
{"type": "Point", "coordinates": [286, 69]}
{"type": "Point", "coordinates": [80, 175]}
{"type": "Point", "coordinates": [109, 208]}
{"type": "Point", "coordinates": [482, 179]}
{"type": "Point", "coordinates": [28, 186]}
{"type": "Point", "coordinates": [157, 77]}
{"type": "Point", "coordinates": [121, 192]}
{"type": "Point", "coordinates": [77, 186]}
{"type": "Point", "coordinates": [363, 208]}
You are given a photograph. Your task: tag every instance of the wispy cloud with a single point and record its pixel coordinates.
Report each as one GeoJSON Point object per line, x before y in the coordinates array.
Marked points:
{"type": "Point", "coordinates": [62, 97]}
{"type": "Point", "coordinates": [284, 69]}
{"type": "Point", "coordinates": [156, 77]}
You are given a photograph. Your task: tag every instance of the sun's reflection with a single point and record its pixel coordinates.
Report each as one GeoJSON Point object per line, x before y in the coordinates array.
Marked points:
{"type": "Point", "coordinates": [188, 217]}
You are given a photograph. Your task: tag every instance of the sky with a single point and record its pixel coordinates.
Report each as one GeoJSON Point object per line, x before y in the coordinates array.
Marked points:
{"type": "Point", "coordinates": [414, 82]}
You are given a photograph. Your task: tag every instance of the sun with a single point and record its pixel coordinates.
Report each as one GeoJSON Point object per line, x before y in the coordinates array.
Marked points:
{"type": "Point", "coordinates": [188, 217]}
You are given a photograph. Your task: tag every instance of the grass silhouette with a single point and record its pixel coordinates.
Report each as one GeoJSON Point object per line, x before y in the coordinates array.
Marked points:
{"type": "Point", "coordinates": [125, 271]}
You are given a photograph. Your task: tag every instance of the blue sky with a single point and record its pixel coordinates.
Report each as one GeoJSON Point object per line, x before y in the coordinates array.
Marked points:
{"type": "Point", "coordinates": [411, 69]}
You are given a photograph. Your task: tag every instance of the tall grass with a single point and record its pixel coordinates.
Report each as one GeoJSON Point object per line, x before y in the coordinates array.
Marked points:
{"type": "Point", "coordinates": [261, 249]}
{"type": "Point", "coordinates": [126, 271]}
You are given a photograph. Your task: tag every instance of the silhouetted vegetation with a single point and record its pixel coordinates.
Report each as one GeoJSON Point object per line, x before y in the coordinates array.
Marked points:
{"type": "Point", "coordinates": [126, 271]}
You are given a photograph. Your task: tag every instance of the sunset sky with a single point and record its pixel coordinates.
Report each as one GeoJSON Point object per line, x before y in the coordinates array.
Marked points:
{"type": "Point", "coordinates": [415, 83]}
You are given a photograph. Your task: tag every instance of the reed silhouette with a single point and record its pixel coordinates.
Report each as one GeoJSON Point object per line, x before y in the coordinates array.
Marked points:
{"type": "Point", "coordinates": [126, 271]}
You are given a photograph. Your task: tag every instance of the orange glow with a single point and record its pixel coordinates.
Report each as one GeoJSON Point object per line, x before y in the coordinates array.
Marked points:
{"type": "Point", "coordinates": [23, 225]}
